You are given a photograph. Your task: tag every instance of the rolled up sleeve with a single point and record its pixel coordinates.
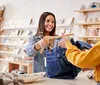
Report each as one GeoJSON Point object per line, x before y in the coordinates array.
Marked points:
{"type": "Point", "coordinates": [30, 51]}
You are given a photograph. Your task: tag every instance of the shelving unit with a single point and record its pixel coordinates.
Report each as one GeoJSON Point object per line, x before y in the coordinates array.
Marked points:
{"type": "Point", "coordinates": [89, 25]}
{"type": "Point", "coordinates": [88, 10]}
{"type": "Point", "coordinates": [13, 42]}
{"type": "Point", "coordinates": [15, 65]}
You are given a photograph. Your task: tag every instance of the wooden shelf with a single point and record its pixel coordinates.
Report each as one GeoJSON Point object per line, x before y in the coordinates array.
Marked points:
{"type": "Point", "coordinates": [6, 60]}
{"type": "Point", "coordinates": [14, 62]}
{"type": "Point", "coordinates": [64, 25]}
{"type": "Point", "coordinates": [90, 37]}
{"type": "Point", "coordinates": [93, 27]}
{"type": "Point", "coordinates": [20, 63]}
{"type": "Point", "coordinates": [14, 36]}
{"type": "Point", "coordinates": [14, 52]}
{"type": "Point", "coordinates": [12, 45]}
{"type": "Point", "coordinates": [20, 28]}
{"type": "Point", "coordinates": [31, 27]}
{"type": "Point", "coordinates": [88, 10]}
{"type": "Point", "coordinates": [94, 23]}
{"type": "Point", "coordinates": [5, 52]}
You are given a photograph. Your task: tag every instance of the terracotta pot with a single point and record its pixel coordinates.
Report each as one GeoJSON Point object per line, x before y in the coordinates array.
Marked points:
{"type": "Point", "coordinates": [92, 32]}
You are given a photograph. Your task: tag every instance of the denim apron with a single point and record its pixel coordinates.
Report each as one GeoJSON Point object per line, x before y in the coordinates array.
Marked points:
{"type": "Point", "coordinates": [58, 66]}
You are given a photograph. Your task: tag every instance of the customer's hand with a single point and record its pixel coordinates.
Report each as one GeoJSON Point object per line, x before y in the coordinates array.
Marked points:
{"type": "Point", "coordinates": [63, 41]}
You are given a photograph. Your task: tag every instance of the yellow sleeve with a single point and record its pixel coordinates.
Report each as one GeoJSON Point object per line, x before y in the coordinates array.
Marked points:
{"type": "Point", "coordinates": [83, 59]}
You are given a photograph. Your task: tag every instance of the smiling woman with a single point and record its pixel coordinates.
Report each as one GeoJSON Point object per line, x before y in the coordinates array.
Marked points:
{"type": "Point", "coordinates": [46, 27]}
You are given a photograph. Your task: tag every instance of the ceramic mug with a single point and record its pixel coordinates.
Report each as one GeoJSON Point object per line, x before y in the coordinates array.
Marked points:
{"type": "Point", "coordinates": [83, 32]}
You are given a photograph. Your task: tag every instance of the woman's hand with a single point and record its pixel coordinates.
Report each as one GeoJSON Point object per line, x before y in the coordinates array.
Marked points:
{"type": "Point", "coordinates": [41, 44]}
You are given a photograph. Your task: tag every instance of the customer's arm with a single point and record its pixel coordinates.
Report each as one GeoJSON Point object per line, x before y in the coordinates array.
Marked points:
{"type": "Point", "coordinates": [83, 59]}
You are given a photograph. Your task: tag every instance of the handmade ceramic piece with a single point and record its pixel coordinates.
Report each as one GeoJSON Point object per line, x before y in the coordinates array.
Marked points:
{"type": "Point", "coordinates": [94, 5]}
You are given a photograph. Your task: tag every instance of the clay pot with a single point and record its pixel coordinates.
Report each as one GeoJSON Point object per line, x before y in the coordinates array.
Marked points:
{"type": "Point", "coordinates": [92, 32]}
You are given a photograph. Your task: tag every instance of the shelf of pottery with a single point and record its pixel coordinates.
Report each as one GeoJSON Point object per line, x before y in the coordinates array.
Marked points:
{"type": "Point", "coordinates": [13, 40]}
{"type": "Point", "coordinates": [12, 45]}
{"type": "Point", "coordinates": [90, 25]}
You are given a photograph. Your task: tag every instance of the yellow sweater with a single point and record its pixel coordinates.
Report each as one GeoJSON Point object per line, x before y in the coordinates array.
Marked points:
{"type": "Point", "coordinates": [87, 59]}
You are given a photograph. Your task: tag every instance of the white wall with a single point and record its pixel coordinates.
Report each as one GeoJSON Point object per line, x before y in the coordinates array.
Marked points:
{"type": "Point", "coordinates": [26, 8]}
{"type": "Point", "coordinates": [20, 9]}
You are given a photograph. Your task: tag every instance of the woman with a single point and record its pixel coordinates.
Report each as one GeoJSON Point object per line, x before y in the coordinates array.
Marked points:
{"type": "Point", "coordinates": [86, 59]}
{"type": "Point", "coordinates": [57, 64]}
{"type": "Point", "coordinates": [34, 46]}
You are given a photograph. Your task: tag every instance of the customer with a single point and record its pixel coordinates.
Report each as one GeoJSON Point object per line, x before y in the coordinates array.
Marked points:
{"type": "Point", "coordinates": [86, 59]}
{"type": "Point", "coordinates": [57, 64]}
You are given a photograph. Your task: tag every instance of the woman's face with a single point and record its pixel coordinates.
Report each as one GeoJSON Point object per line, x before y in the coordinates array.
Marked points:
{"type": "Point", "coordinates": [49, 23]}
